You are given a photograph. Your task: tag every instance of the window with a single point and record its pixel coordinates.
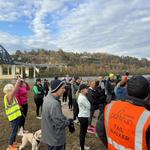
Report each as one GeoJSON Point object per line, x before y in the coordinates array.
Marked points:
{"type": "Point", "coordinates": [5, 70]}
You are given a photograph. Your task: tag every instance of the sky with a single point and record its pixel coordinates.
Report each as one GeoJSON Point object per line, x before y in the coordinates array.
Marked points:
{"type": "Point", "coordinates": [119, 27]}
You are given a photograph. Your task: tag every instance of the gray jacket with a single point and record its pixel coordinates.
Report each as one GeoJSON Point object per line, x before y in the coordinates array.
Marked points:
{"type": "Point", "coordinates": [53, 122]}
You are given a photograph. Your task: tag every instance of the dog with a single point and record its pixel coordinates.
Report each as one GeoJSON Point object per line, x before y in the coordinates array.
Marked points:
{"type": "Point", "coordinates": [33, 139]}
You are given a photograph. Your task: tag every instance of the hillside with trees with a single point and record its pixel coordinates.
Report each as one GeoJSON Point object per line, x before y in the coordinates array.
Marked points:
{"type": "Point", "coordinates": [83, 64]}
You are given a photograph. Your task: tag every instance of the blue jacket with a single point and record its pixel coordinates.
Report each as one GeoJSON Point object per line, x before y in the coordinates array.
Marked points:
{"type": "Point", "coordinates": [120, 92]}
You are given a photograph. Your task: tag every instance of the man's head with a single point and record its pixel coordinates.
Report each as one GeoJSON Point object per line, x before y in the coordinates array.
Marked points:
{"type": "Point", "coordinates": [57, 87]}
{"type": "Point", "coordinates": [138, 87]}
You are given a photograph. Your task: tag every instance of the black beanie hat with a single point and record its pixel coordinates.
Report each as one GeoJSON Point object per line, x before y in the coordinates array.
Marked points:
{"type": "Point", "coordinates": [138, 87]}
{"type": "Point", "coordinates": [82, 86]}
{"type": "Point", "coordinates": [56, 85]}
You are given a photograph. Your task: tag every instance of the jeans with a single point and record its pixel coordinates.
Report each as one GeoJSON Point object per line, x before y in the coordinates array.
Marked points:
{"type": "Point", "coordinates": [15, 125]}
{"type": "Point", "coordinates": [62, 147]}
{"type": "Point", "coordinates": [83, 130]}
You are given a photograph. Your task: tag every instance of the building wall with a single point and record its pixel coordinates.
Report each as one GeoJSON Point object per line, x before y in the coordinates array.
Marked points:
{"type": "Point", "coordinates": [7, 71]}
{"type": "Point", "coordinates": [10, 71]}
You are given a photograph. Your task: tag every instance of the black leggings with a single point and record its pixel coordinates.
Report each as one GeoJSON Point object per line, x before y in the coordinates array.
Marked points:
{"type": "Point", "coordinates": [65, 97]}
{"type": "Point", "coordinates": [75, 109]}
{"type": "Point", "coordinates": [70, 102]}
{"type": "Point", "coordinates": [24, 110]}
{"type": "Point", "coordinates": [83, 130]}
{"type": "Point", "coordinates": [39, 103]}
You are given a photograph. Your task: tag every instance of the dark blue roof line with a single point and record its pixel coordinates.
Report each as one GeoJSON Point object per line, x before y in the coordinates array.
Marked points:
{"type": "Point", "coordinates": [5, 58]}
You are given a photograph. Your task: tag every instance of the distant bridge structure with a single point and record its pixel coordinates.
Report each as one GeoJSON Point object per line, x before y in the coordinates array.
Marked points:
{"type": "Point", "coordinates": [10, 68]}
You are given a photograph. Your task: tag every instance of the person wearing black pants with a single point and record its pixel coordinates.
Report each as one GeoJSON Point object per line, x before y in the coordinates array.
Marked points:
{"type": "Point", "coordinates": [74, 88]}
{"type": "Point", "coordinates": [65, 96]}
{"type": "Point", "coordinates": [38, 96]}
{"type": "Point", "coordinates": [83, 130]}
{"type": "Point", "coordinates": [75, 109]}
{"type": "Point", "coordinates": [39, 102]}
{"type": "Point", "coordinates": [84, 114]}
{"type": "Point", "coordinates": [24, 110]}
{"type": "Point", "coordinates": [70, 103]}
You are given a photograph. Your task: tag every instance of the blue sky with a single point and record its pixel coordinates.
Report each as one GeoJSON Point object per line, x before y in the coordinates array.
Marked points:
{"type": "Point", "coordinates": [119, 27]}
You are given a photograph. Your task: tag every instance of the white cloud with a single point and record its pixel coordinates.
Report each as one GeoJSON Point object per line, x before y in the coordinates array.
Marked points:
{"type": "Point", "coordinates": [116, 26]}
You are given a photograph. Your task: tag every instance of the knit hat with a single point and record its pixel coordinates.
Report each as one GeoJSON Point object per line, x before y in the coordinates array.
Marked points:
{"type": "Point", "coordinates": [56, 85]}
{"type": "Point", "coordinates": [82, 86]}
{"type": "Point", "coordinates": [138, 87]}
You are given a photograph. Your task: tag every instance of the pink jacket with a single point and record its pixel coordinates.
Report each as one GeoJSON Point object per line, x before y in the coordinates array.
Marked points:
{"type": "Point", "coordinates": [22, 95]}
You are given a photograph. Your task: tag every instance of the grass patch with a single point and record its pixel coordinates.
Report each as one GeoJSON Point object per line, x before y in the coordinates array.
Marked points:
{"type": "Point", "coordinates": [32, 124]}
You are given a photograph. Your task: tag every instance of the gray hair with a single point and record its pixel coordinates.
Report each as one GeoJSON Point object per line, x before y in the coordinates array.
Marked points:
{"type": "Point", "coordinates": [7, 88]}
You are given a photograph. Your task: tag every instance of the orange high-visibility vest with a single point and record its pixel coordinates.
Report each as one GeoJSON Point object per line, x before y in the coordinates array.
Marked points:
{"type": "Point", "coordinates": [126, 125]}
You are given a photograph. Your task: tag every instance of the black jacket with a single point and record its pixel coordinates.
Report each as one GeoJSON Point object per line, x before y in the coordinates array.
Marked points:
{"type": "Point", "coordinates": [110, 85]}
{"type": "Point", "coordinates": [93, 99]}
{"type": "Point", "coordinates": [100, 95]}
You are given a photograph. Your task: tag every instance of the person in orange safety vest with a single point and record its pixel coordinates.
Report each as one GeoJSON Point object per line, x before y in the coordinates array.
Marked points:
{"type": "Point", "coordinates": [126, 124]}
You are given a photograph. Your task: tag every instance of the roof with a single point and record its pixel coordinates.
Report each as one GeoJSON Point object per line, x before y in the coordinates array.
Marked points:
{"type": "Point", "coordinates": [5, 58]}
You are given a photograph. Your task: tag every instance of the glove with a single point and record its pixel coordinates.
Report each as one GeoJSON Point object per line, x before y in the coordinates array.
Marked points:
{"type": "Point", "coordinates": [71, 126]}
{"type": "Point", "coordinates": [70, 121]}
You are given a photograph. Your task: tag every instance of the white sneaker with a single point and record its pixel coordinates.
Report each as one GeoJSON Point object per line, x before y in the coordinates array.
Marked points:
{"type": "Point", "coordinates": [38, 117]}
{"type": "Point", "coordinates": [86, 147]}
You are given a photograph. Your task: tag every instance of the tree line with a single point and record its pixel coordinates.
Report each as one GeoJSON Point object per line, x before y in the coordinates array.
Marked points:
{"type": "Point", "coordinates": [83, 64]}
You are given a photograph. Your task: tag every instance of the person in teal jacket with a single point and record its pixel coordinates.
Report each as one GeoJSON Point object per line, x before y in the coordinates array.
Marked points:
{"type": "Point", "coordinates": [38, 96]}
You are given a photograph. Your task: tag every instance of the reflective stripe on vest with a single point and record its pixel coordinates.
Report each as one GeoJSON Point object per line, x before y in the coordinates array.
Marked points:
{"type": "Point", "coordinates": [107, 114]}
{"type": "Point", "coordinates": [12, 111]}
{"type": "Point", "coordinates": [139, 129]}
{"type": "Point", "coordinates": [116, 145]}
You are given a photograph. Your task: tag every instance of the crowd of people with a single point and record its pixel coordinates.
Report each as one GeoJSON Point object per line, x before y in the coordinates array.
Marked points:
{"type": "Point", "coordinates": [123, 104]}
